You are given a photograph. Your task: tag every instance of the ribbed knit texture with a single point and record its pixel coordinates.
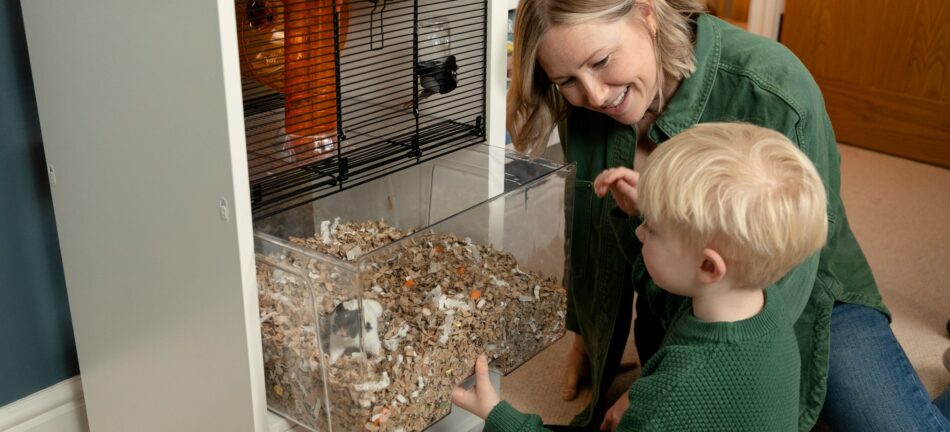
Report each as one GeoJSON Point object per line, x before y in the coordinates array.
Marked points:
{"type": "Point", "coordinates": [505, 418]}
{"type": "Point", "coordinates": [741, 376]}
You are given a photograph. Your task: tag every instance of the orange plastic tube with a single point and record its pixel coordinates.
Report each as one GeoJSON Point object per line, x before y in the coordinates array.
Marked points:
{"type": "Point", "coordinates": [310, 92]}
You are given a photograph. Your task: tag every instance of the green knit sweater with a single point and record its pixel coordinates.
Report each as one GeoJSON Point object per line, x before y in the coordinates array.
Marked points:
{"type": "Point", "coordinates": [741, 376]}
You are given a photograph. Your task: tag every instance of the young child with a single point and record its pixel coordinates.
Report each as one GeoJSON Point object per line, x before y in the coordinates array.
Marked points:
{"type": "Point", "coordinates": [727, 209]}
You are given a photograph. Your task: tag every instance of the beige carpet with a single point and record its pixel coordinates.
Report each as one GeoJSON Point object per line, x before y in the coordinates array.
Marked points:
{"type": "Point", "coordinates": [900, 212]}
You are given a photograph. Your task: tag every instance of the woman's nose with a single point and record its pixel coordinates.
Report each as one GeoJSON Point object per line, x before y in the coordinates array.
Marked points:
{"type": "Point", "coordinates": [596, 92]}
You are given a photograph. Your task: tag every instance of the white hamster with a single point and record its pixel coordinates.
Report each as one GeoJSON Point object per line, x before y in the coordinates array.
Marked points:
{"type": "Point", "coordinates": [345, 328]}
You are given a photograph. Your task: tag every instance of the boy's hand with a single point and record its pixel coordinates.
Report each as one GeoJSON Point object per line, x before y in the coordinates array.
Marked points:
{"type": "Point", "coordinates": [622, 184]}
{"type": "Point", "coordinates": [613, 415]}
{"type": "Point", "coordinates": [481, 398]}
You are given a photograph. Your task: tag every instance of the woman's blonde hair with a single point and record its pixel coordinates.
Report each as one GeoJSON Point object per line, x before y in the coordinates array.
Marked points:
{"type": "Point", "coordinates": [534, 104]}
{"type": "Point", "coordinates": [745, 191]}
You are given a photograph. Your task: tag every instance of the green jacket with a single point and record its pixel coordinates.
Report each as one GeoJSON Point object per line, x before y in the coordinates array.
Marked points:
{"type": "Point", "coordinates": [707, 376]}
{"type": "Point", "coordinates": [739, 77]}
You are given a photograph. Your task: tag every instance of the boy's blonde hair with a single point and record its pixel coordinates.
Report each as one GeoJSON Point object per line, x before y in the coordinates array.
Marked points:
{"type": "Point", "coordinates": [745, 191]}
{"type": "Point", "coordinates": [534, 104]}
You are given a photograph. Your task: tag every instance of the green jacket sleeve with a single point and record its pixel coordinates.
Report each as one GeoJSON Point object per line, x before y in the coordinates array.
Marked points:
{"type": "Point", "coordinates": [795, 109]}
{"type": "Point", "coordinates": [625, 227]}
{"type": "Point", "coordinates": [664, 304]}
{"type": "Point", "coordinates": [570, 319]}
{"type": "Point", "coordinates": [806, 124]}
{"type": "Point", "coordinates": [795, 287]}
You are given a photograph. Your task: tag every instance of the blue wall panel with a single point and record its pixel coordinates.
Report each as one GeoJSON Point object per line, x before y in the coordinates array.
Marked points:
{"type": "Point", "coordinates": [37, 348]}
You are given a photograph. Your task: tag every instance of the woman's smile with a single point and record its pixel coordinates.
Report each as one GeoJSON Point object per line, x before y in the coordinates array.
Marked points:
{"type": "Point", "coordinates": [618, 104]}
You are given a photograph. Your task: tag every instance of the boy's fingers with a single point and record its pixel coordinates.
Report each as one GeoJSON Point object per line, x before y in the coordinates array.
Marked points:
{"type": "Point", "coordinates": [599, 185]}
{"type": "Point", "coordinates": [465, 399]}
{"type": "Point", "coordinates": [604, 181]}
{"type": "Point", "coordinates": [607, 178]}
{"type": "Point", "coordinates": [630, 176]}
{"type": "Point", "coordinates": [481, 373]}
{"type": "Point", "coordinates": [625, 190]}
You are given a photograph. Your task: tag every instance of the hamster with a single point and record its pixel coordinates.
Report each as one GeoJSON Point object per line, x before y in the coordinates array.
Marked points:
{"type": "Point", "coordinates": [345, 328]}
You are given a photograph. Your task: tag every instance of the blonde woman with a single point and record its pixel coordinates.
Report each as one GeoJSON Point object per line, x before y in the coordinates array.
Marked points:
{"type": "Point", "coordinates": [727, 209]}
{"type": "Point", "coordinates": [618, 78]}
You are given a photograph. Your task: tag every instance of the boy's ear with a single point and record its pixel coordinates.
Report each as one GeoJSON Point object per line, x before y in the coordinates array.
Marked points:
{"type": "Point", "coordinates": [713, 268]}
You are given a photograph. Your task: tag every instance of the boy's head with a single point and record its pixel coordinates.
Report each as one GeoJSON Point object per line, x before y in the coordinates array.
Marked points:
{"type": "Point", "coordinates": [730, 201]}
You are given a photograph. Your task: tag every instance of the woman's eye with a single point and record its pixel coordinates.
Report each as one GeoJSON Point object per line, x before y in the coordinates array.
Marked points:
{"type": "Point", "coordinates": [566, 83]}
{"type": "Point", "coordinates": [602, 63]}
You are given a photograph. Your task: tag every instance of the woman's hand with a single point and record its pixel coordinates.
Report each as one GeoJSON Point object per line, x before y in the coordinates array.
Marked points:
{"type": "Point", "coordinates": [622, 184]}
{"type": "Point", "coordinates": [613, 415]}
{"type": "Point", "coordinates": [481, 398]}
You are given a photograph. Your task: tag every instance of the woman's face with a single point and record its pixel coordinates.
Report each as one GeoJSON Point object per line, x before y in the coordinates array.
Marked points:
{"type": "Point", "coordinates": [607, 67]}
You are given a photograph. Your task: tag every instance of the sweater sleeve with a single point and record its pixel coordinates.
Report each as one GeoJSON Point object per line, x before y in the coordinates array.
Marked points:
{"type": "Point", "coordinates": [654, 398]}
{"type": "Point", "coordinates": [505, 418]}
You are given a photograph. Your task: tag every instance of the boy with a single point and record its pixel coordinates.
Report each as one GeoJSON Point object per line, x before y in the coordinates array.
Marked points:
{"type": "Point", "coordinates": [727, 209]}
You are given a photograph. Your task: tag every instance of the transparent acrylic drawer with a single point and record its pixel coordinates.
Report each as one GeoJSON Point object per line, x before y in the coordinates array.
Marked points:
{"type": "Point", "coordinates": [375, 301]}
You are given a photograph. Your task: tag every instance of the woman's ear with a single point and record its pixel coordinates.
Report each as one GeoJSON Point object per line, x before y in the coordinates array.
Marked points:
{"type": "Point", "coordinates": [648, 15]}
{"type": "Point", "coordinates": [712, 268]}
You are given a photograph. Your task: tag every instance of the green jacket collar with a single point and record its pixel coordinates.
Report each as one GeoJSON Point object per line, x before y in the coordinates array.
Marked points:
{"type": "Point", "coordinates": [688, 103]}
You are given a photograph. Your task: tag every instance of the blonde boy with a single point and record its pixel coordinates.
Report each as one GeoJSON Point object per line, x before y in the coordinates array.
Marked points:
{"type": "Point", "coordinates": [727, 209]}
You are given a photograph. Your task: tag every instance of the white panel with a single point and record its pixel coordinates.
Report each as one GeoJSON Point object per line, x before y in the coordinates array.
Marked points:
{"type": "Point", "coordinates": [497, 93]}
{"type": "Point", "coordinates": [497, 70]}
{"type": "Point", "coordinates": [140, 109]}
{"type": "Point", "coordinates": [765, 17]}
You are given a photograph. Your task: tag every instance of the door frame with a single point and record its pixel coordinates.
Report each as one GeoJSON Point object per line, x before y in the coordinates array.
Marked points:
{"type": "Point", "coordinates": [765, 17]}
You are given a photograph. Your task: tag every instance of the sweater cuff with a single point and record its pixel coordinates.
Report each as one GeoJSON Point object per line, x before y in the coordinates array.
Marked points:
{"type": "Point", "coordinates": [504, 417]}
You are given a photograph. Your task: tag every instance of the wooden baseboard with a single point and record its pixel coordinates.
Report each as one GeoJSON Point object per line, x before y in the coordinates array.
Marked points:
{"type": "Point", "coordinates": [59, 408]}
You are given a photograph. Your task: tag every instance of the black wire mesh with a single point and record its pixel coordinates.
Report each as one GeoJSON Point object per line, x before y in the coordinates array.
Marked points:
{"type": "Point", "coordinates": [338, 93]}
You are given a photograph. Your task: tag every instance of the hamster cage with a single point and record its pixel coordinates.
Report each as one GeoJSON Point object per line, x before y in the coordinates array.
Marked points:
{"type": "Point", "coordinates": [197, 150]}
{"type": "Point", "coordinates": [393, 246]}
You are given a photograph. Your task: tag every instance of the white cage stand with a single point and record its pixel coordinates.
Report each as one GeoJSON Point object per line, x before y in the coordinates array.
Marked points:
{"type": "Point", "coordinates": [142, 122]}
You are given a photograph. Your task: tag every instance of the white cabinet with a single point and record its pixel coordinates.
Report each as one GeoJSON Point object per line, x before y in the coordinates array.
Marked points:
{"type": "Point", "coordinates": [142, 122]}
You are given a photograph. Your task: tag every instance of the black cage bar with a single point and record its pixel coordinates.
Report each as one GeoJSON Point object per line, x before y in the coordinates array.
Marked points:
{"type": "Point", "coordinates": [382, 85]}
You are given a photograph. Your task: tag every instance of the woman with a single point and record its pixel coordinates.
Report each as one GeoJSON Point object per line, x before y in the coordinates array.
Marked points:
{"type": "Point", "coordinates": [619, 77]}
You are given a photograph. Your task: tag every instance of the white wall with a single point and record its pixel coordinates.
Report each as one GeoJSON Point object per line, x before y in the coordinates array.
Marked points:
{"type": "Point", "coordinates": [142, 122]}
